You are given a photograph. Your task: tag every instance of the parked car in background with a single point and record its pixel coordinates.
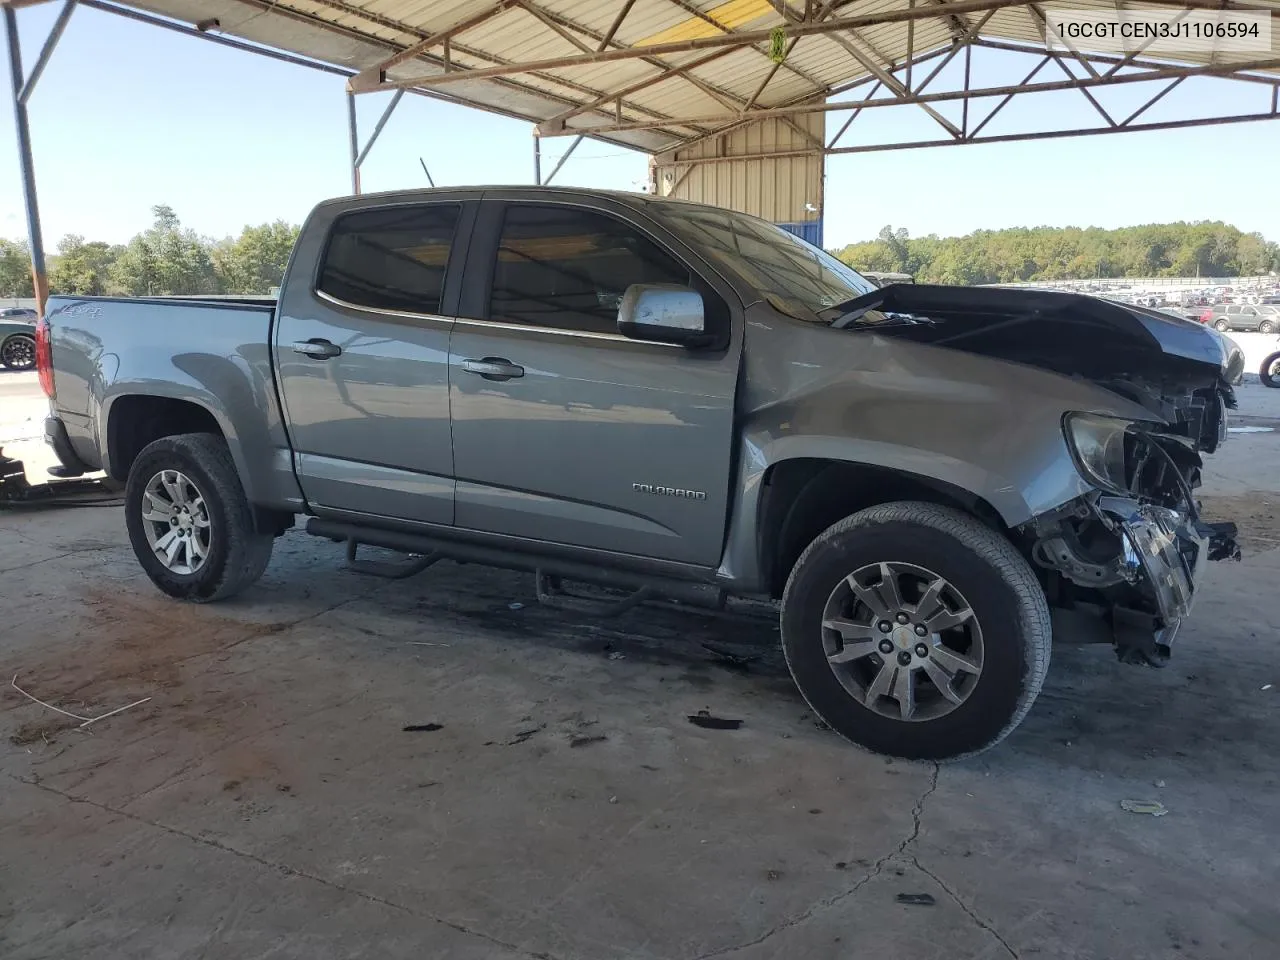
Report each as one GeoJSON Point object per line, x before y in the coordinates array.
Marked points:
{"type": "Point", "coordinates": [1260, 318]}
{"type": "Point", "coordinates": [17, 338]}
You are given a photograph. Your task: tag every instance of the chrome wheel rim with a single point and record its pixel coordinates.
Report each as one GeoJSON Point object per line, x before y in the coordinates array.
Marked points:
{"type": "Point", "coordinates": [902, 641]}
{"type": "Point", "coordinates": [176, 520]}
{"type": "Point", "coordinates": [19, 352]}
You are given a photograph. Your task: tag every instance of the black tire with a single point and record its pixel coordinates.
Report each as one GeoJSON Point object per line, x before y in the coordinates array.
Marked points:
{"type": "Point", "coordinates": [1266, 326]}
{"type": "Point", "coordinates": [1000, 588]}
{"type": "Point", "coordinates": [1221, 326]}
{"type": "Point", "coordinates": [1269, 372]}
{"type": "Point", "coordinates": [237, 556]}
{"type": "Point", "coordinates": [18, 352]}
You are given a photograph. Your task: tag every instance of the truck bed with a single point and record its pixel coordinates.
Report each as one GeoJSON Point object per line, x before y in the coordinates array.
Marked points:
{"type": "Point", "coordinates": [211, 352]}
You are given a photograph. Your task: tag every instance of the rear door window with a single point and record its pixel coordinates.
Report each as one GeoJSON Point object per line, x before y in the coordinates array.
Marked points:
{"type": "Point", "coordinates": [391, 258]}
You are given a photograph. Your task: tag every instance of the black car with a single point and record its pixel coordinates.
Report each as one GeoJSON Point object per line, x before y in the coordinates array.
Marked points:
{"type": "Point", "coordinates": [17, 338]}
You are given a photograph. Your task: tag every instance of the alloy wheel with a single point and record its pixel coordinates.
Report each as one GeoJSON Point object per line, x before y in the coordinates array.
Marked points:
{"type": "Point", "coordinates": [176, 521]}
{"type": "Point", "coordinates": [902, 641]}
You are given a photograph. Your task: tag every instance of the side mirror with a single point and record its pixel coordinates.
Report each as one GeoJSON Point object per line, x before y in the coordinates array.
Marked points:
{"type": "Point", "coordinates": [663, 312]}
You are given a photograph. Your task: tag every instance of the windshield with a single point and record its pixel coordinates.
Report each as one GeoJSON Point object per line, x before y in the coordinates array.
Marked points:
{"type": "Point", "coordinates": [796, 277]}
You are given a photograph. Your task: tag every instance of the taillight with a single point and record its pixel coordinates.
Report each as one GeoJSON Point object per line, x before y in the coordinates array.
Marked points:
{"type": "Point", "coordinates": [44, 357]}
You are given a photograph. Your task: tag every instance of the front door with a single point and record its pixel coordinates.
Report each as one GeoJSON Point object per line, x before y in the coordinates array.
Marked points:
{"type": "Point", "coordinates": [363, 359]}
{"type": "Point", "coordinates": [564, 430]}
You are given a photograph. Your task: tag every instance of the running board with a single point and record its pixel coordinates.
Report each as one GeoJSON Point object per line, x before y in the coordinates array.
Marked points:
{"type": "Point", "coordinates": [432, 549]}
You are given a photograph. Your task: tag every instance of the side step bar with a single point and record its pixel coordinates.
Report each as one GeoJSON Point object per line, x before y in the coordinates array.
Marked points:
{"type": "Point", "coordinates": [691, 592]}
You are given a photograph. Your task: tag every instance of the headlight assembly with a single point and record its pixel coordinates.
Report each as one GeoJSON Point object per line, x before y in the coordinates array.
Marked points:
{"type": "Point", "coordinates": [1102, 448]}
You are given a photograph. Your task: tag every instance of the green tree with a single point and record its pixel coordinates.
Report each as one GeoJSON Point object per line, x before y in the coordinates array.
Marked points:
{"type": "Point", "coordinates": [15, 269]}
{"type": "Point", "coordinates": [1206, 249]}
{"type": "Point", "coordinates": [165, 259]}
{"type": "Point", "coordinates": [254, 262]}
{"type": "Point", "coordinates": [80, 267]}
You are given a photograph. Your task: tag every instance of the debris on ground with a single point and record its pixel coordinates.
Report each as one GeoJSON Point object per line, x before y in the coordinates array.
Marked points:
{"type": "Point", "coordinates": [704, 719]}
{"type": "Point", "coordinates": [524, 735]}
{"type": "Point", "coordinates": [516, 605]}
{"type": "Point", "coordinates": [734, 661]}
{"type": "Point", "coordinates": [582, 740]}
{"type": "Point", "coordinates": [423, 727]}
{"type": "Point", "coordinates": [84, 721]}
{"type": "Point", "coordinates": [615, 655]}
{"type": "Point", "coordinates": [916, 899]}
{"type": "Point", "coordinates": [1152, 807]}
{"type": "Point", "coordinates": [1159, 783]}
{"type": "Point", "coordinates": [774, 875]}
{"type": "Point", "coordinates": [1267, 686]}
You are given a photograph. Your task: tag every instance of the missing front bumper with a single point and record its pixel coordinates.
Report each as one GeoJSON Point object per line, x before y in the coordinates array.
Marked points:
{"type": "Point", "coordinates": [1166, 550]}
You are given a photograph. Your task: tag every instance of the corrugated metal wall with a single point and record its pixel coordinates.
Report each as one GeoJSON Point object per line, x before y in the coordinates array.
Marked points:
{"type": "Point", "coordinates": [781, 190]}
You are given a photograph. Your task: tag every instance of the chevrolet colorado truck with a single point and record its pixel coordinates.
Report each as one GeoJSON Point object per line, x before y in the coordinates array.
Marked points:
{"type": "Point", "coordinates": [932, 482]}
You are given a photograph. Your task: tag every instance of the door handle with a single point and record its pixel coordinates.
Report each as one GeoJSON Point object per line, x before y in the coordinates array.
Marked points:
{"type": "Point", "coordinates": [317, 348]}
{"type": "Point", "coordinates": [494, 368]}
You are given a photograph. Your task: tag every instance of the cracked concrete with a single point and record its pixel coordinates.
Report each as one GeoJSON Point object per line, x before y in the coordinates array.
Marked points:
{"type": "Point", "coordinates": [268, 802]}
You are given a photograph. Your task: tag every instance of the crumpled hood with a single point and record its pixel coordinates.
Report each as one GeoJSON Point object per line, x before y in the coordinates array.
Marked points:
{"type": "Point", "coordinates": [1178, 369]}
{"type": "Point", "coordinates": [1141, 326]}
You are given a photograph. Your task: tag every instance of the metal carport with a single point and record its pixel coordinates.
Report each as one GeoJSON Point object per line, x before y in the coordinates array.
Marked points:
{"type": "Point", "coordinates": [728, 96]}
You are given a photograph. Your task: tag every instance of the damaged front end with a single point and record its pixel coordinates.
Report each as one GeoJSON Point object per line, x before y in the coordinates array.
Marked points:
{"type": "Point", "coordinates": [1121, 564]}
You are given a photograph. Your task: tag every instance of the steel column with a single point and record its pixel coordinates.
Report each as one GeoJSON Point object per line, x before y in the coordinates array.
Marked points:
{"type": "Point", "coordinates": [26, 163]}
{"type": "Point", "coordinates": [355, 143]}
{"type": "Point", "coordinates": [537, 158]}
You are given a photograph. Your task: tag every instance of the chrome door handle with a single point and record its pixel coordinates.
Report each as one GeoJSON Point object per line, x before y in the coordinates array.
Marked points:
{"type": "Point", "coordinates": [317, 348]}
{"type": "Point", "coordinates": [494, 368]}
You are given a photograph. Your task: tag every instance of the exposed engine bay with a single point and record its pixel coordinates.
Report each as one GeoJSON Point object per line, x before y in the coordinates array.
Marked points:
{"type": "Point", "coordinates": [1127, 555]}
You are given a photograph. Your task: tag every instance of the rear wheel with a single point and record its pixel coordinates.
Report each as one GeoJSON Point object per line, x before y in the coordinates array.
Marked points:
{"type": "Point", "coordinates": [1266, 326]}
{"type": "Point", "coordinates": [189, 521]}
{"type": "Point", "coordinates": [916, 631]}
{"type": "Point", "coordinates": [18, 352]}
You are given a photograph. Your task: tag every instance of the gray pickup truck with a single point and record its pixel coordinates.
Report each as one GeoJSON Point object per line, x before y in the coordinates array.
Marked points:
{"type": "Point", "coordinates": [662, 396]}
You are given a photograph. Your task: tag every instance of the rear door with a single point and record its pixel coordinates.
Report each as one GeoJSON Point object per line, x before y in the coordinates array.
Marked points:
{"type": "Point", "coordinates": [362, 352]}
{"type": "Point", "coordinates": [566, 431]}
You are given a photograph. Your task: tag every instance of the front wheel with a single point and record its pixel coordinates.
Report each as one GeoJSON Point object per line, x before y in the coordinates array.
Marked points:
{"type": "Point", "coordinates": [1269, 373]}
{"type": "Point", "coordinates": [914, 630]}
{"type": "Point", "coordinates": [18, 352]}
{"type": "Point", "coordinates": [1221, 326]}
{"type": "Point", "coordinates": [189, 521]}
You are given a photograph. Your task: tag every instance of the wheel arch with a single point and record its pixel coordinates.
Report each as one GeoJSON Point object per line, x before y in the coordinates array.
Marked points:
{"type": "Point", "coordinates": [801, 497]}
{"type": "Point", "coordinates": [134, 420]}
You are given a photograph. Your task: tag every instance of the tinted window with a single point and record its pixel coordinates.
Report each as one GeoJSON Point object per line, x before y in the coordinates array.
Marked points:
{"type": "Point", "coordinates": [390, 259]}
{"type": "Point", "coordinates": [793, 275]}
{"type": "Point", "coordinates": [568, 268]}
{"type": "Point", "coordinates": [1233, 309]}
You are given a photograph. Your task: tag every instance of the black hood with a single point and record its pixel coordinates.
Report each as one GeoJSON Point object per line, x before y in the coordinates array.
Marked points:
{"type": "Point", "coordinates": [1179, 369]}
{"type": "Point", "coordinates": [1139, 326]}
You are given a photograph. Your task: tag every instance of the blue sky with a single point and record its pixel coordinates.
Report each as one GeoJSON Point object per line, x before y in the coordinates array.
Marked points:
{"type": "Point", "coordinates": [128, 116]}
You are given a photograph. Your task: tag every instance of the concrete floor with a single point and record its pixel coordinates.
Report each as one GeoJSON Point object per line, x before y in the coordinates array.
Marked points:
{"type": "Point", "coordinates": [267, 801]}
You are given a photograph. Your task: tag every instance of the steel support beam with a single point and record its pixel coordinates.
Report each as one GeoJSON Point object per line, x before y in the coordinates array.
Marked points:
{"type": "Point", "coordinates": [50, 44]}
{"type": "Point", "coordinates": [537, 159]}
{"type": "Point", "coordinates": [740, 39]}
{"type": "Point", "coordinates": [26, 160]}
{"type": "Point", "coordinates": [563, 157]}
{"type": "Point", "coordinates": [1273, 114]}
{"type": "Point", "coordinates": [1164, 73]}
{"type": "Point", "coordinates": [377, 128]}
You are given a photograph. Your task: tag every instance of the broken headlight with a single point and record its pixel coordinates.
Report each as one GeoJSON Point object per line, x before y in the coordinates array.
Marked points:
{"type": "Point", "coordinates": [1103, 449]}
